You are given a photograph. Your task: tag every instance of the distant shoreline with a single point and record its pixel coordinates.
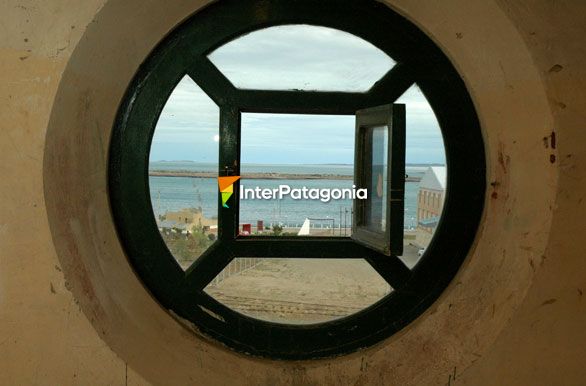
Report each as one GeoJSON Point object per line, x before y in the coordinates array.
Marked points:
{"type": "Point", "coordinates": [261, 176]}
{"type": "Point", "coordinates": [285, 164]}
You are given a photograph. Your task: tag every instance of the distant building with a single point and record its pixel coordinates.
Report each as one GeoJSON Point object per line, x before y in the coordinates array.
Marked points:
{"type": "Point", "coordinates": [430, 202]}
{"type": "Point", "coordinates": [168, 225]}
{"type": "Point", "coordinates": [187, 219]}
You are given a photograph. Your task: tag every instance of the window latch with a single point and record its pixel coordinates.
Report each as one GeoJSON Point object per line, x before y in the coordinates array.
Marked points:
{"type": "Point", "coordinates": [228, 171]}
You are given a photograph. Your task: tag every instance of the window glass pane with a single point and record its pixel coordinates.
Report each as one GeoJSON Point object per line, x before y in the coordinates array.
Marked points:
{"type": "Point", "coordinates": [377, 205]}
{"type": "Point", "coordinates": [183, 170]}
{"type": "Point", "coordinates": [296, 152]}
{"type": "Point", "coordinates": [425, 187]}
{"type": "Point", "coordinates": [298, 291]}
{"type": "Point", "coordinates": [301, 57]}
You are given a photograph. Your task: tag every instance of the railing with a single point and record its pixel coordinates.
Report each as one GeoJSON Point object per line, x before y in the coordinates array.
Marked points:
{"type": "Point", "coordinates": [236, 267]}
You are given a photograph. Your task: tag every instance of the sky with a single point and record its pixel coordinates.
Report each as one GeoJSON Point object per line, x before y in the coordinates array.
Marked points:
{"type": "Point", "coordinates": [290, 57]}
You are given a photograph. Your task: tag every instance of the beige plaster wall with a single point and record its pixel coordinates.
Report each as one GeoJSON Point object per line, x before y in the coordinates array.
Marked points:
{"type": "Point", "coordinates": [73, 312]}
{"type": "Point", "coordinates": [44, 337]}
{"type": "Point", "coordinates": [545, 341]}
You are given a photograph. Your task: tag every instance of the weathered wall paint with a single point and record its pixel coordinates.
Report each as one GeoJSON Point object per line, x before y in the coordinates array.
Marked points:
{"type": "Point", "coordinates": [45, 339]}
{"type": "Point", "coordinates": [514, 315]}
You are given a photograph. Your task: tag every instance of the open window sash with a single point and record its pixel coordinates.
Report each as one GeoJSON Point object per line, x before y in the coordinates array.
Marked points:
{"type": "Point", "coordinates": [380, 168]}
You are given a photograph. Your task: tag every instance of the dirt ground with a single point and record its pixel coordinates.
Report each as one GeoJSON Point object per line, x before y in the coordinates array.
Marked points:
{"type": "Point", "coordinates": [305, 291]}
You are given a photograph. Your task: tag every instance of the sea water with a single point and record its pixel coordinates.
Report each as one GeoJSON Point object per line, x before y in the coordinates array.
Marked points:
{"type": "Point", "coordinates": [175, 193]}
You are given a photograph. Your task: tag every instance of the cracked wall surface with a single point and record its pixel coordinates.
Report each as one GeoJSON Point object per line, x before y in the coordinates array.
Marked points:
{"type": "Point", "coordinates": [73, 312]}
{"type": "Point", "coordinates": [45, 339]}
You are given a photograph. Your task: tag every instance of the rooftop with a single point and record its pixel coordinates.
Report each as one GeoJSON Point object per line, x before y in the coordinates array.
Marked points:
{"type": "Point", "coordinates": [434, 178]}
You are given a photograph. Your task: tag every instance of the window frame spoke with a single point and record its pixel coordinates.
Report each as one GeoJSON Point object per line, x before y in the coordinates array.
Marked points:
{"type": "Point", "coordinates": [208, 266]}
{"type": "Point", "coordinates": [229, 165]}
{"type": "Point", "coordinates": [212, 81]}
{"type": "Point", "coordinates": [390, 268]}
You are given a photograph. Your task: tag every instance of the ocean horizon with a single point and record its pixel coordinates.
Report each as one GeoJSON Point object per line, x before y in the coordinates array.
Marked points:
{"type": "Point", "coordinates": [176, 193]}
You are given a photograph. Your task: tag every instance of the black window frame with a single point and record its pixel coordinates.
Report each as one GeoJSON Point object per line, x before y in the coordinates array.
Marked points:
{"type": "Point", "coordinates": [184, 52]}
{"type": "Point", "coordinates": [392, 118]}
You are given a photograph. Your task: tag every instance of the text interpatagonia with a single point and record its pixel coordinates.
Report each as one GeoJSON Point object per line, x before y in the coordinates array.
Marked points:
{"type": "Point", "coordinates": [304, 193]}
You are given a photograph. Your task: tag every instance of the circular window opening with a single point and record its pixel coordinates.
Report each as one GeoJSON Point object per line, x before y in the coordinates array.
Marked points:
{"type": "Point", "coordinates": [297, 185]}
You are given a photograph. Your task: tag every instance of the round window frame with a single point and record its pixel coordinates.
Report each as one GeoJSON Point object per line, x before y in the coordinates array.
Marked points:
{"type": "Point", "coordinates": [184, 51]}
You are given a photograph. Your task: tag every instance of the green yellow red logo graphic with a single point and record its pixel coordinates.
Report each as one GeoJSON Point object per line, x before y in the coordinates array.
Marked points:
{"type": "Point", "coordinates": [226, 185]}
